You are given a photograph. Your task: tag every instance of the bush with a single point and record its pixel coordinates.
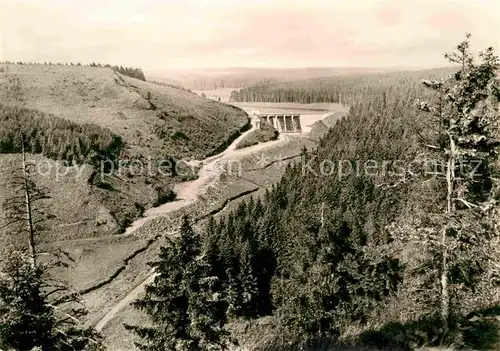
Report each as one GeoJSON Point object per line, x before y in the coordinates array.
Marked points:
{"type": "Point", "coordinates": [130, 72]}
{"type": "Point", "coordinates": [265, 133]}
{"type": "Point", "coordinates": [165, 194]}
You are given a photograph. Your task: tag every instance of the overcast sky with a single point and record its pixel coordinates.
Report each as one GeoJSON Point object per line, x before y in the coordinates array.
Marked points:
{"type": "Point", "coordinates": [172, 34]}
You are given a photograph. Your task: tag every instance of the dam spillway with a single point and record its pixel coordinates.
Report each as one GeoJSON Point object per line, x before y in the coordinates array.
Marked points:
{"type": "Point", "coordinates": [282, 122]}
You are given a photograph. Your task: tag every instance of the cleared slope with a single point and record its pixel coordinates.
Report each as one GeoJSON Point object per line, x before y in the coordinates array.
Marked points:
{"type": "Point", "coordinates": [76, 209]}
{"type": "Point", "coordinates": [155, 123]}
{"type": "Point", "coordinates": [152, 119]}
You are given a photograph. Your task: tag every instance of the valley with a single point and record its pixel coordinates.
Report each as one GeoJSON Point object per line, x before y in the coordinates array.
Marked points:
{"type": "Point", "coordinates": [331, 183]}
{"type": "Point", "coordinates": [105, 260]}
{"type": "Point", "coordinates": [216, 191]}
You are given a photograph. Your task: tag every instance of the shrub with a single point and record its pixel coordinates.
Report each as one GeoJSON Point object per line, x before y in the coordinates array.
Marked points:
{"type": "Point", "coordinates": [265, 133]}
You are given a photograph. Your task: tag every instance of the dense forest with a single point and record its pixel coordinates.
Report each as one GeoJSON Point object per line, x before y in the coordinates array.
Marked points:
{"type": "Point", "coordinates": [274, 255]}
{"type": "Point", "coordinates": [339, 89]}
{"type": "Point", "coordinates": [359, 242]}
{"type": "Point", "coordinates": [54, 137]}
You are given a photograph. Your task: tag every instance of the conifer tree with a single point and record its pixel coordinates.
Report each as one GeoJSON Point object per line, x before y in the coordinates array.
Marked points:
{"type": "Point", "coordinates": [185, 302]}
{"type": "Point", "coordinates": [166, 303]}
{"type": "Point", "coordinates": [189, 241]}
{"type": "Point", "coordinates": [248, 281]}
{"type": "Point", "coordinates": [447, 237]}
{"type": "Point", "coordinates": [22, 209]}
{"type": "Point", "coordinates": [36, 312]}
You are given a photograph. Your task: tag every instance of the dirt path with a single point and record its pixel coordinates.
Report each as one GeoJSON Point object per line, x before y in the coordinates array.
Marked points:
{"type": "Point", "coordinates": [130, 297]}
{"type": "Point", "coordinates": [187, 194]}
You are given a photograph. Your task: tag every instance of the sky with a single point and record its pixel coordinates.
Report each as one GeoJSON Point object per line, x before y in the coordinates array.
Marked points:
{"type": "Point", "coordinates": [193, 34]}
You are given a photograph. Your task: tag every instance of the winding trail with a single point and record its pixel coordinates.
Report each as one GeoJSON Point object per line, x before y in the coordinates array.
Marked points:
{"type": "Point", "coordinates": [187, 194]}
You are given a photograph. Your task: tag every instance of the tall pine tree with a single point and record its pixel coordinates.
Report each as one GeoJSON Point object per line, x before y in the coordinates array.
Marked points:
{"type": "Point", "coordinates": [447, 236]}
{"type": "Point", "coordinates": [185, 303]}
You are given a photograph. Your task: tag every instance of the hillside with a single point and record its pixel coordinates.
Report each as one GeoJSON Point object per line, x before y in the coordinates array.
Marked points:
{"type": "Point", "coordinates": [265, 133]}
{"type": "Point", "coordinates": [152, 119]}
{"type": "Point", "coordinates": [83, 115]}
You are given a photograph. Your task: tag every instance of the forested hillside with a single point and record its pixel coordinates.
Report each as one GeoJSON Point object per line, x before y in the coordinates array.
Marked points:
{"type": "Point", "coordinates": [339, 89]}
{"type": "Point", "coordinates": [359, 242]}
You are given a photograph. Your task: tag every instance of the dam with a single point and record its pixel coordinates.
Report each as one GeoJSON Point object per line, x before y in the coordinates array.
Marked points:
{"type": "Point", "coordinates": [282, 122]}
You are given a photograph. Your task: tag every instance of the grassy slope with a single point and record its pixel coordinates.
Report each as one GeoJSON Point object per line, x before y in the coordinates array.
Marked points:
{"type": "Point", "coordinates": [254, 173]}
{"type": "Point", "coordinates": [129, 107]}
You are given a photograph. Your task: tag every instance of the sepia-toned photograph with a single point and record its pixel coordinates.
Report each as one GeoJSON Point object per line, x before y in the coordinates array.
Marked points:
{"type": "Point", "coordinates": [264, 175]}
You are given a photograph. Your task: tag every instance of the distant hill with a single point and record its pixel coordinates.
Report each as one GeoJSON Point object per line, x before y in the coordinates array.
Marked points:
{"type": "Point", "coordinates": [345, 89]}
{"type": "Point", "coordinates": [210, 79]}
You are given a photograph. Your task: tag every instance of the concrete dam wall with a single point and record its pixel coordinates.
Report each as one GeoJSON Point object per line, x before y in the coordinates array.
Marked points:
{"type": "Point", "coordinates": [282, 122]}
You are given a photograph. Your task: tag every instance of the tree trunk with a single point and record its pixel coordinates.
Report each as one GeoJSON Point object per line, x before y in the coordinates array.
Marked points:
{"type": "Point", "coordinates": [450, 178]}
{"type": "Point", "coordinates": [322, 214]}
{"type": "Point", "coordinates": [29, 219]}
{"type": "Point", "coordinates": [445, 298]}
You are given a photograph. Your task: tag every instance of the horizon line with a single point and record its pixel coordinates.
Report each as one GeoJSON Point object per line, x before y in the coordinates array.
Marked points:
{"type": "Point", "coordinates": [56, 63]}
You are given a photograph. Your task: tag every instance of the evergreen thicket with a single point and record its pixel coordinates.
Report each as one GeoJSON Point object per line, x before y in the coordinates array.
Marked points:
{"type": "Point", "coordinates": [360, 233]}
{"type": "Point", "coordinates": [54, 137]}
{"type": "Point", "coordinates": [130, 72]}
